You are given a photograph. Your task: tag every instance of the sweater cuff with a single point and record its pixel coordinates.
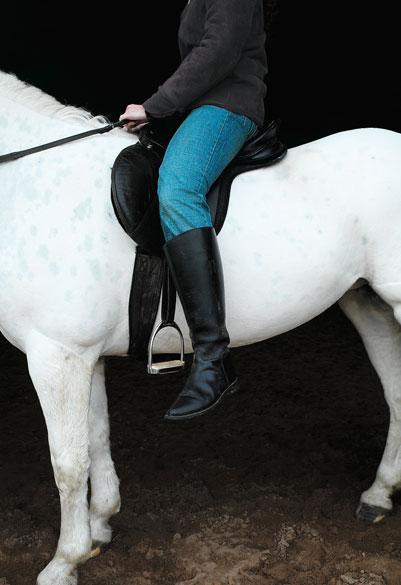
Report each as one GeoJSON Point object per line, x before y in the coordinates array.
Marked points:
{"type": "Point", "coordinates": [158, 106]}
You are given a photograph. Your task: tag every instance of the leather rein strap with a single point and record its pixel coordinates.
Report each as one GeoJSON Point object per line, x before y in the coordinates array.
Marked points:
{"type": "Point", "coordinates": [20, 153]}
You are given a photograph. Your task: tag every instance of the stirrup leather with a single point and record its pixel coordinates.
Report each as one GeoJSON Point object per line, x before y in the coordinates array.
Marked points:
{"type": "Point", "coordinates": [167, 312]}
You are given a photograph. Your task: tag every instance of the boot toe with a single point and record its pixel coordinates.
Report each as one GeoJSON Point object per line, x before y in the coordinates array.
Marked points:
{"type": "Point", "coordinates": [197, 399]}
{"type": "Point", "coordinates": [187, 406]}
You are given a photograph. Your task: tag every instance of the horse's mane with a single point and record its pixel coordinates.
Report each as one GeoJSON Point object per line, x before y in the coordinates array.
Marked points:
{"type": "Point", "coordinates": [37, 100]}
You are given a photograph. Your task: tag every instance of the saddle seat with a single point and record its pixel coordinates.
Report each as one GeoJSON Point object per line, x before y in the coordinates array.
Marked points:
{"type": "Point", "coordinates": [135, 173]}
{"type": "Point", "coordinates": [134, 178]}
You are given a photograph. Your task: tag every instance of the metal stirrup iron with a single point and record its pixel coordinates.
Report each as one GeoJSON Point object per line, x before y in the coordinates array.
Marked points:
{"type": "Point", "coordinates": [167, 314]}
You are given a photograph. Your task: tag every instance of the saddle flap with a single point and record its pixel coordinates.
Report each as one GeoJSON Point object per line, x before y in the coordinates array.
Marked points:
{"type": "Point", "coordinates": [134, 195]}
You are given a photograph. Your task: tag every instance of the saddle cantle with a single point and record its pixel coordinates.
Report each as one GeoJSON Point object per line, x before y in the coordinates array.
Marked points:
{"type": "Point", "coordinates": [134, 179]}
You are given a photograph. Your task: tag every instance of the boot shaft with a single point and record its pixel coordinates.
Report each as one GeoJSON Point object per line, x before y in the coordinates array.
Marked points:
{"type": "Point", "coordinates": [196, 268]}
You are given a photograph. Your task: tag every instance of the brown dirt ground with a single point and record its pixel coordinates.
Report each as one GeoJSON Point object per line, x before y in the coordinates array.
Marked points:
{"type": "Point", "coordinates": [262, 491]}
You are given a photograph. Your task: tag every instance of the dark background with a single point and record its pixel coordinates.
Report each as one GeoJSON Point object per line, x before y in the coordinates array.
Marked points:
{"type": "Point", "coordinates": [332, 65]}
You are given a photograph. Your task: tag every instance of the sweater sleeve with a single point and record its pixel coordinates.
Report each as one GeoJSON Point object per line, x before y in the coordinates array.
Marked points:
{"type": "Point", "coordinates": [227, 26]}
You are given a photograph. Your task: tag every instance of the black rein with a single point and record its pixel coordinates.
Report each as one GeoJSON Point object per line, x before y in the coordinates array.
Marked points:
{"type": "Point", "coordinates": [20, 153]}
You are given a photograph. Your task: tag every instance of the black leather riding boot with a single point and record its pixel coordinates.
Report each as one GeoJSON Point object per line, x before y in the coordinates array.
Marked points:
{"type": "Point", "coordinates": [195, 264]}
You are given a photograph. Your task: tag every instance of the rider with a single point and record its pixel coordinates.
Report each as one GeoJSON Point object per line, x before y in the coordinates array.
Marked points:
{"type": "Point", "coordinates": [219, 86]}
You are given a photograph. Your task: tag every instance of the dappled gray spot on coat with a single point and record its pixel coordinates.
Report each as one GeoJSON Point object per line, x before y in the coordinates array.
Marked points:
{"type": "Point", "coordinates": [282, 172]}
{"type": "Point", "coordinates": [114, 274]}
{"type": "Point", "coordinates": [88, 243]}
{"type": "Point", "coordinates": [109, 212]}
{"type": "Point", "coordinates": [54, 268]}
{"type": "Point", "coordinates": [117, 275]}
{"type": "Point", "coordinates": [89, 290]}
{"type": "Point", "coordinates": [104, 237]}
{"type": "Point", "coordinates": [33, 229]}
{"type": "Point", "coordinates": [68, 295]}
{"type": "Point", "coordinates": [3, 122]}
{"type": "Point", "coordinates": [95, 268]}
{"type": "Point", "coordinates": [73, 270]}
{"type": "Point", "coordinates": [111, 217]}
{"type": "Point", "coordinates": [43, 251]}
{"type": "Point", "coordinates": [84, 210]}
{"type": "Point", "coordinates": [21, 255]}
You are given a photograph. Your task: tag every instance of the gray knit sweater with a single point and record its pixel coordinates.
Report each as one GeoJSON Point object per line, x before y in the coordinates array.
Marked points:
{"type": "Point", "coordinates": [223, 60]}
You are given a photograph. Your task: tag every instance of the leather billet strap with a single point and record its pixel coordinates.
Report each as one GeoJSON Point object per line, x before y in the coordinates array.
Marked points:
{"type": "Point", "coordinates": [169, 296]}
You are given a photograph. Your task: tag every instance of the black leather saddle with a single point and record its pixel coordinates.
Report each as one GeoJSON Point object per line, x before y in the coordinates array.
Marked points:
{"type": "Point", "coordinates": [134, 178]}
{"type": "Point", "coordinates": [135, 173]}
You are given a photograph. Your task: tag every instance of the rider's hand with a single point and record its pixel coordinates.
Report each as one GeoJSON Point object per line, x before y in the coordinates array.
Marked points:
{"type": "Point", "coordinates": [136, 113]}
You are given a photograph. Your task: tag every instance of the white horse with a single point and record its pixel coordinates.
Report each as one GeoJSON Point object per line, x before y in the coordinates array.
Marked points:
{"type": "Point", "coordinates": [318, 227]}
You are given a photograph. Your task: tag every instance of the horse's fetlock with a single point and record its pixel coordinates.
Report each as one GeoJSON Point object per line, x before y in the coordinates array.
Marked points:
{"type": "Point", "coordinates": [105, 506]}
{"type": "Point", "coordinates": [75, 552]}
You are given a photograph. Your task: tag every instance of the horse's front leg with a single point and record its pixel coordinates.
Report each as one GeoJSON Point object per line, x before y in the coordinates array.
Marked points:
{"type": "Point", "coordinates": [381, 333]}
{"type": "Point", "coordinates": [105, 495]}
{"type": "Point", "coordinates": [62, 379]}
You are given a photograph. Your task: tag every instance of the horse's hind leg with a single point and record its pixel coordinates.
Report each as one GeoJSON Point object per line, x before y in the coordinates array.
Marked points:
{"type": "Point", "coordinates": [62, 379]}
{"type": "Point", "coordinates": [105, 495]}
{"type": "Point", "coordinates": [381, 333]}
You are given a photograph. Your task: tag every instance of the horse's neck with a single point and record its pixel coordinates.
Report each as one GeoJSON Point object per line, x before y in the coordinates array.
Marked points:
{"type": "Point", "coordinates": [22, 127]}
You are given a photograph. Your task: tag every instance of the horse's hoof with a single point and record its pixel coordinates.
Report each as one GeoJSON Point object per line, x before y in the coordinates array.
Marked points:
{"type": "Point", "coordinates": [98, 548]}
{"type": "Point", "coordinates": [371, 514]}
{"type": "Point", "coordinates": [95, 551]}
